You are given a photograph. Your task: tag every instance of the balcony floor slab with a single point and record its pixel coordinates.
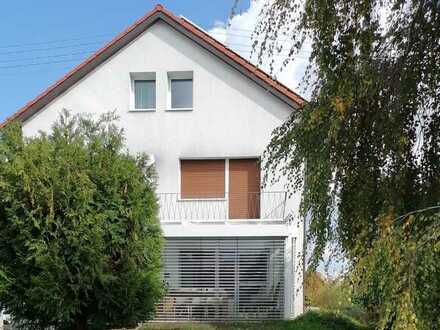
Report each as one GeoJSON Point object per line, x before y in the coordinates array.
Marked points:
{"type": "Point", "coordinates": [230, 228]}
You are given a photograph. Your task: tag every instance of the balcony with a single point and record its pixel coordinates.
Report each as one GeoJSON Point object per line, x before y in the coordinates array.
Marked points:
{"type": "Point", "coordinates": [261, 206]}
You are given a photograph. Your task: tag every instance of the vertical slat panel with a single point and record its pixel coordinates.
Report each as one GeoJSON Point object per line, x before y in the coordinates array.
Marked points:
{"type": "Point", "coordinates": [223, 279]}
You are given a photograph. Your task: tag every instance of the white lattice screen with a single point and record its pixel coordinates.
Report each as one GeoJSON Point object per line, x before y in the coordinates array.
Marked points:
{"type": "Point", "coordinates": [223, 279]}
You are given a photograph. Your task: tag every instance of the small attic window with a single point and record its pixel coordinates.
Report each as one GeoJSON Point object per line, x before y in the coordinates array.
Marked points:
{"type": "Point", "coordinates": [180, 90]}
{"type": "Point", "coordinates": [143, 91]}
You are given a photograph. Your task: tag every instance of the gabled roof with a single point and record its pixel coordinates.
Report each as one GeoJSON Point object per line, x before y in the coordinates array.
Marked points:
{"type": "Point", "coordinates": [178, 23]}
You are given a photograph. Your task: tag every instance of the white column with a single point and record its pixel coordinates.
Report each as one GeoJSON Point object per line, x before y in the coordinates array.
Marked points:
{"type": "Point", "coordinates": [294, 273]}
{"type": "Point", "coordinates": [299, 267]}
{"type": "Point", "coordinates": [289, 278]}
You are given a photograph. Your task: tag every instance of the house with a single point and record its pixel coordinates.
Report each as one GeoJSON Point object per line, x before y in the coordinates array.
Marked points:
{"type": "Point", "coordinates": [233, 249]}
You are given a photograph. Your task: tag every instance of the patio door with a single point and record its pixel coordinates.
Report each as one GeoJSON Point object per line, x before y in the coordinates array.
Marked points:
{"type": "Point", "coordinates": [244, 189]}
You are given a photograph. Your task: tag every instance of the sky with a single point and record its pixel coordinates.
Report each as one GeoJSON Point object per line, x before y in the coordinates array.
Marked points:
{"type": "Point", "coordinates": [43, 41]}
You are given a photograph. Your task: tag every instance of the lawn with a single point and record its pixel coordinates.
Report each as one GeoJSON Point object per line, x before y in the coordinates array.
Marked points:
{"type": "Point", "coordinates": [309, 321]}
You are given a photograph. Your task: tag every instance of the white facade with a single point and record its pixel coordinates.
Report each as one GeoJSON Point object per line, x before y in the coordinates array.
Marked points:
{"type": "Point", "coordinates": [232, 117]}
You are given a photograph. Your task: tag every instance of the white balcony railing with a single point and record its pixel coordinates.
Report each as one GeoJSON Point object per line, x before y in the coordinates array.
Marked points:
{"type": "Point", "coordinates": [264, 206]}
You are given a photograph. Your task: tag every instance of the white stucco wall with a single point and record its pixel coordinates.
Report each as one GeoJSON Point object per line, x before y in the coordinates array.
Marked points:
{"type": "Point", "coordinates": [232, 117]}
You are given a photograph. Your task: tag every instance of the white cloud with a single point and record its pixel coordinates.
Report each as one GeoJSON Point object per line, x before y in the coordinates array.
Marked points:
{"type": "Point", "coordinates": [237, 35]}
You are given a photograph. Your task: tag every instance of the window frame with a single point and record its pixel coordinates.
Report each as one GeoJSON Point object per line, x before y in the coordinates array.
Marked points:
{"type": "Point", "coordinates": [179, 75]}
{"type": "Point", "coordinates": [142, 76]}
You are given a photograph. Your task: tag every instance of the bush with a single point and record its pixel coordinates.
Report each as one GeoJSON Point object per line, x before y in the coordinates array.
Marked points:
{"type": "Point", "coordinates": [332, 295]}
{"type": "Point", "coordinates": [80, 240]}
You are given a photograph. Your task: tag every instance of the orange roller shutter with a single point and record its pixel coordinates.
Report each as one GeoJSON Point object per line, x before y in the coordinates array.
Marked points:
{"type": "Point", "coordinates": [244, 189]}
{"type": "Point", "coordinates": [202, 178]}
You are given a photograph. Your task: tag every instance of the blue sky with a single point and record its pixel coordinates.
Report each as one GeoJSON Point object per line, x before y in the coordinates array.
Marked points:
{"type": "Point", "coordinates": [43, 32]}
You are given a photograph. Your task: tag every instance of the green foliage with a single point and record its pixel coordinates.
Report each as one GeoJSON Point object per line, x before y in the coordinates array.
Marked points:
{"type": "Point", "coordinates": [332, 295]}
{"type": "Point", "coordinates": [308, 321]}
{"type": "Point", "coordinates": [366, 148]}
{"type": "Point", "coordinates": [4, 282]}
{"type": "Point", "coordinates": [326, 320]}
{"type": "Point", "coordinates": [80, 240]}
{"type": "Point", "coordinates": [400, 276]}
{"type": "Point", "coordinates": [325, 293]}
{"type": "Point", "coordinates": [314, 284]}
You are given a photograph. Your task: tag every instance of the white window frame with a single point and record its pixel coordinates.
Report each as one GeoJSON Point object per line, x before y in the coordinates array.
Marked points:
{"type": "Point", "coordinates": [172, 75]}
{"type": "Point", "coordinates": [141, 76]}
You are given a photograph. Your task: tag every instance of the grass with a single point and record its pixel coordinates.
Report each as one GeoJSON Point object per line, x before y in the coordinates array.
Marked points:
{"type": "Point", "coordinates": [308, 321]}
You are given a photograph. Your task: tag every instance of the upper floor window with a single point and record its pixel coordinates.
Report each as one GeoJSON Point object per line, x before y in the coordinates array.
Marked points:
{"type": "Point", "coordinates": [145, 94]}
{"type": "Point", "coordinates": [143, 90]}
{"type": "Point", "coordinates": [180, 90]}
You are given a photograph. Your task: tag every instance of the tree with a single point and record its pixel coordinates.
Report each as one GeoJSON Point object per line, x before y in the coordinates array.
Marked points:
{"type": "Point", "coordinates": [366, 148]}
{"type": "Point", "coordinates": [330, 295]}
{"type": "Point", "coordinates": [80, 240]}
{"type": "Point", "coordinates": [314, 283]}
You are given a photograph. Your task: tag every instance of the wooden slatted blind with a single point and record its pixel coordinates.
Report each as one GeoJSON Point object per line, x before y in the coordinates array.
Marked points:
{"type": "Point", "coordinates": [202, 178]}
{"type": "Point", "coordinates": [244, 189]}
